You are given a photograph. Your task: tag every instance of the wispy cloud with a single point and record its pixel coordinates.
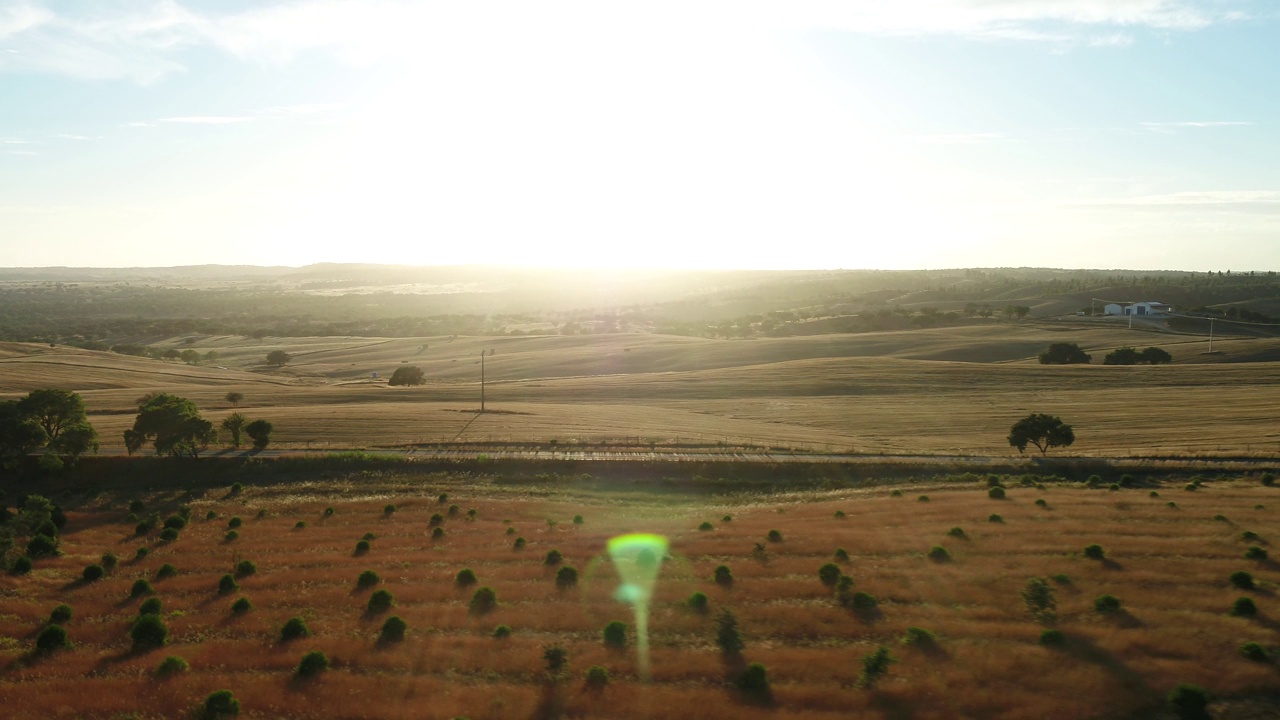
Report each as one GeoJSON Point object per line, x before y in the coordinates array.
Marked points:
{"type": "Point", "coordinates": [1229, 200]}
{"type": "Point", "coordinates": [1173, 127]}
{"type": "Point", "coordinates": [959, 138]}
{"type": "Point", "coordinates": [67, 136]}
{"type": "Point", "coordinates": [208, 119]}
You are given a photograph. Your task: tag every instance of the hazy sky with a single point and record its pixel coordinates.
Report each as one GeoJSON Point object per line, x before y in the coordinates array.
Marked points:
{"type": "Point", "coordinates": [785, 134]}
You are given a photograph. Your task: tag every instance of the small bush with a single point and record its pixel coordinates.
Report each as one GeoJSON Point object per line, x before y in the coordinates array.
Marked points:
{"type": "Point", "coordinates": [301, 524]}
{"type": "Point", "coordinates": [597, 677]}
{"type": "Point", "coordinates": [328, 512]}
{"type": "Point", "coordinates": [842, 555]}
{"type": "Point", "coordinates": [1114, 487]}
{"type": "Point", "coordinates": [148, 632]}
{"type": "Point", "coordinates": [1244, 607]}
{"type": "Point", "coordinates": [381, 601]}
{"type": "Point", "coordinates": [774, 536]}
{"type": "Point", "coordinates": [231, 536]}
{"type": "Point", "coordinates": [1249, 535]}
{"type": "Point", "coordinates": [1062, 579]}
{"type": "Point", "coordinates": [510, 531]}
{"type": "Point", "coordinates": [554, 557]}
{"type": "Point", "coordinates": [234, 522]}
{"type": "Point", "coordinates": [1153, 494]}
{"type": "Point", "coordinates": [829, 574]}
{"type": "Point", "coordinates": [1171, 504]}
{"type": "Point", "coordinates": [52, 637]}
{"type": "Point", "coordinates": [236, 488]}
{"type": "Point", "coordinates": [1220, 518]}
{"type": "Point", "coordinates": [993, 517]}
{"type": "Point", "coordinates": [502, 632]}
{"type": "Point", "coordinates": [22, 565]}
{"type": "Point", "coordinates": [1094, 552]}
{"type": "Point", "coordinates": [1255, 652]}
{"type": "Point", "coordinates": [210, 515]}
{"type": "Point", "coordinates": [368, 579]}
{"type": "Point", "coordinates": [437, 533]}
{"type": "Point", "coordinates": [863, 601]}
{"type": "Point", "coordinates": [293, 629]}
{"type": "Point", "coordinates": [896, 493]}
{"type": "Point", "coordinates": [1190, 487]}
{"type": "Point", "coordinates": [483, 600]}
{"type": "Point", "coordinates": [141, 553]}
{"type": "Point", "coordinates": [727, 518]}
{"type": "Point", "coordinates": [1039, 601]}
{"type": "Point", "coordinates": [137, 506]}
{"type": "Point", "coordinates": [140, 587]}
{"type": "Point", "coordinates": [920, 637]}
{"type": "Point", "coordinates": [93, 573]}
{"type": "Point", "coordinates": [1255, 553]}
{"type": "Point", "coordinates": [109, 561]}
{"type": "Point", "coordinates": [566, 577]}
{"type": "Point", "coordinates": [839, 515]}
{"type": "Point", "coordinates": [923, 498]}
{"type": "Point", "coordinates": [390, 510]}
{"type": "Point", "coordinates": [42, 546]}
{"type": "Point", "coordinates": [368, 537]}
{"type": "Point", "coordinates": [166, 571]}
{"type": "Point", "coordinates": [615, 634]}
{"type": "Point", "coordinates": [454, 510]}
{"type": "Point", "coordinates": [996, 493]}
{"type": "Point", "coordinates": [61, 615]}
{"type": "Point", "coordinates": [393, 629]}
{"type": "Point", "coordinates": [1094, 481]}
{"type": "Point", "coordinates": [151, 606]}
{"type": "Point", "coordinates": [245, 568]}
{"type": "Point", "coordinates": [169, 535]}
{"type": "Point", "coordinates": [221, 703]}
{"type": "Point", "coordinates": [518, 544]}
{"type": "Point", "coordinates": [577, 520]}
{"type": "Point", "coordinates": [362, 547]}
{"type": "Point", "coordinates": [754, 680]}
{"type": "Point", "coordinates": [312, 664]}
{"type": "Point", "coordinates": [556, 658]}
{"type": "Point", "coordinates": [875, 666]}
{"type": "Point", "coordinates": [1268, 479]}
{"type": "Point", "coordinates": [956, 532]}
{"type": "Point", "coordinates": [442, 498]}
{"type": "Point", "coordinates": [172, 665]}
{"type": "Point", "coordinates": [1052, 638]}
{"type": "Point", "coordinates": [227, 584]}
{"type": "Point", "coordinates": [1242, 580]}
{"type": "Point", "coordinates": [723, 576]}
{"type": "Point", "coordinates": [465, 578]}
{"type": "Point", "coordinates": [241, 606]}
{"type": "Point", "coordinates": [698, 602]}
{"type": "Point", "coordinates": [175, 522]}
{"type": "Point", "coordinates": [1259, 506]}
{"type": "Point", "coordinates": [1041, 502]}
{"type": "Point", "coordinates": [728, 637]}
{"type": "Point", "coordinates": [1106, 604]}
{"type": "Point", "coordinates": [937, 553]}
{"type": "Point", "coordinates": [1190, 702]}
{"type": "Point", "coordinates": [706, 526]}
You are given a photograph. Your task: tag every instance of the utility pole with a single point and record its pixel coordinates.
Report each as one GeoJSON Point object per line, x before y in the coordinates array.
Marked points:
{"type": "Point", "coordinates": [481, 381]}
{"type": "Point", "coordinates": [1210, 336]}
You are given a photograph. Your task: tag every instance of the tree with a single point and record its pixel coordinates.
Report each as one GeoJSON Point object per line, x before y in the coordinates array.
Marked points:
{"type": "Point", "coordinates": [1043, 431]}
{"type": "Point", "coordinates": [1155, 356]}
{"type": "Point", "coordinates": [260, 431]}
{"type": "Point", "coordinates": [407, 375]}
{"type": "Point", "coordinates": [173, 423]}
{"type": "Point", "coordinates": [19, 434]}
{"type": "Point", "coordinates": [278, 358]}
{"type": "Point", "coordinates": [1064, 354]}
{"type": "Point", "coordinates": [190, 357]}
{"type": "Point", "coordinates": [234, 398]}
{"type": "Point", "coordinates": [1122, 356]}
{"type": "Point", "coordinates": [234, 424]}
{"type": "Point", "coordinates": [60, 414]}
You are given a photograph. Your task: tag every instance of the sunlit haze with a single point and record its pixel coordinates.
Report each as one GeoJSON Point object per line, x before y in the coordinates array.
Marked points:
{"type": "Point", "coordinates": [907, 134]}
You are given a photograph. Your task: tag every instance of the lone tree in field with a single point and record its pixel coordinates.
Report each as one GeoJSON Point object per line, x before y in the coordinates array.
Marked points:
{"type": "Point", "coordinates": [173, 423]}
{"type": "Point", "coordinates": [1043, 431]}
{"type": "Point", "coordinates": [234, 425]}
{"type": "Point", "coordinates": [278, 358]}
{"type": "Point", "coordinates": [1155, 356]}
{"type": "Point", "coordinates": [61, 417]}
{"type": "Point", "coordinates": [1064, 354]}
{"type": "Point", "coordinates": [234, 398]}
{"type": "Point", "coordinates": [260, 431]}
{"type": "Point", "coordinates": [407, 375]}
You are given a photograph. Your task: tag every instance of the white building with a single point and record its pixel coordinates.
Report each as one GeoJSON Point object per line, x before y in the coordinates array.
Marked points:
{"type": "Point", "coordinates": [1138, 308]}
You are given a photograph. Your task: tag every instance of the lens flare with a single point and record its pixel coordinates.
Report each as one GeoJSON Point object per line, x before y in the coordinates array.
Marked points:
{"type": "Point", "coordinates": [638, 559]}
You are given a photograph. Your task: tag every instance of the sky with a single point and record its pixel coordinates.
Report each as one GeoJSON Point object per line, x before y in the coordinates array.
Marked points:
{"type": "Point", "coordinates": [1141, 134]}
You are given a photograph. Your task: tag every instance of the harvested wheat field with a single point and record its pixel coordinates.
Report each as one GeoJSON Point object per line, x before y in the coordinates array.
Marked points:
{"type": "Point", "coordinates": [1167, 556]}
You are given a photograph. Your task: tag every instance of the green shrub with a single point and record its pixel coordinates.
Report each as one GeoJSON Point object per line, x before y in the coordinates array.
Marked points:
{"type": "Point", "coordinates": [518, 544]}
{"type": "Point", "coordinates": [875, 665]}
{"type": "Point", "coordinates": [137, 506]}
{"type": "Point", "coordinates": [1094, 481]}
{"type": "Point", "coordinates": [995, 518]}
{"type": "Point", "coordinates": [148, 632]}
{"type": "Point", "coordinates": [436, 520]}
{"type": "Point", "coordinates": [1041, 502]}
{"type": "Point", "coordinates": [923, 498]}
{"type": "Point", "coordinates": [554, 557]}
{"type": "Point", "coordinates": [368, 579]}
{"type": "Point", "coordinates": [142, 528]}
{"type": "Point", "coordinates": [312, 664]}
{"type": "Point", "coordinates": [175, 522]}
{"type": "Point", "coordinates": [1052, 638]}
{"type": "Point", "coordinates": [437, 533]}
{"type": "Point", "coordinates": [1062, 579]}
{"type": "Point", "coordinates": [381, 601]}
{"type": "Point", "coordinates": [236, 488]}
{"type": "Point", "coordinates": [362, 547]}
{"type": "Point", "coordinates": [483, 600]}
{"type": "Point", "coordinates": [234, 522]}
{"type": "Point", "coordinates": [556, 658]}
{"type": "Point", "coordinates": [1249, 535]}
{"type": "Point", "coordinates": [993, 481]}
{"type": "Point", "coordinates": [728, 637]}
{"type": "Point", "coordinates": [1220, 518]}
{"type": "Point", "coordinates": [839, 515]}
{"type": "Point", "coordinates": [241, 606]}
{"type": "Point", "coordinates": [227, 584]}
{"type": "Point", "coordinates": [52, 637]}
{"type": "Point", "coordinates": [1153, 494]}
{"type": "Point", "coordinates": [466, 577]}
{"type": "Point", "coordinates": [61, 615]}
{"type": "Point", "coordinates": [151, 606]}
{"type": "Point", "coordinates": [109, 561]}
{"type": "Point", "coordinates": [1255, 652]}
{"type": "Point", "coordinates": [1094, 552]}
{"type": "Point", "coordinates": [42, 546]}
{"type": "Point", "coordinates": [698, 602]}
{"type": "Point", "coordinates": [956, 532]}
{"type": "Point", "coordinates": [141, 553]}
{"type": "Point", "coordinates": [597, 677]}
{"type": "Point", "coordinates": [442, 498]}
{"type": "Point", "coordinates": [293, 629]}
{"type": "Point", "coordinates": [301, 524]}
{"type": "Point", "coordinates": [221, 703]}
{"type": "Point", "coordinates": [245, 568]}
{"type": "Point", "coordinates": [1259, 506]}
{"type": "Point", "coordinates": [755, 680]}
{"type": "Point", "coordinates": [1244, 607]}
{"type": "Point", "coordinates": [615, 634]}
{"type": "Point", "coordinates": [1190, 702]}
{"type": "Point", "coordinates": [390, 509]}
{"type": "Point", "coordinates": [231, 536]}
{"type": "Point", "coordinates": [577, 519]}
{"type": "Point", "coordinates": [454, 510]}
{"type": "Point", "coordinates": [22, 565]}
{"type": "Point", "coordinates": [1190, 487]}
{"type": "Point", "coordinates": [1255, 553]}
{"type": "Point", "coordinates": [211, 515]}
{"type": "Point", "coordinates": [166, 571]}
{"type": "Point", "coordinates": [727, 518]}
{"type": "Point", "coordinates": [1038, 598]}
{"type": "Point", "coordinates": [706, 526]}
{"type": "Point", "coordinates": [329, 511]}
{"type": "Point", "coordinates": [996, 493]}
{"type": "Point", "coordinates": [920, 637]}
{"type": "Point", "coordinates": [844, 591]}
{"type": "Point", "coordinates": [172, 665]}
{"type": "Point", "coordinates": [169, 535]}
{"type": "Point", "coordinates": [896, 493]}
{"type": "Point", "coordinates": [1113, 487]}
{"type": "Point", "coordinates": [393, 629]}
{"type": "Point", "coordinates": [1242, 580]}
{"type": "Point", "coordinates": [141, 587]}
{"type": "Point", "coordinates": [368, 537]}
{"type": "Point", "coordinates": [566, 577]}
{"type": "Point", "coordinates": [863, 601]}
{"type": "Point", "coordinates": [1171, 504]}
{"type": "Point", "coordinates": [1126, 480]}
{"type": "Point", "coordinates": [92, 573]}
{"type": "Point", "coordinates": [1106, 604]}
{"type": "Point", "coordinates": [1268, 479]}
{"type": "Point", "coordinates": [937, 553]}
{"type": "Point", "coordinates": [502, 632]}
{"type": "Point", "coordinates": [829, 574]}
{"type": "Point", "coordinates": [723, 576]}
{"type": "Point", "coordinates": [841, 555]}
{"type": "Point", "coordinates": [510, 531]}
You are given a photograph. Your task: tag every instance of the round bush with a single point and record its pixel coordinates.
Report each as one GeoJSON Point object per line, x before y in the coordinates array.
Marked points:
{"type": "Point", "coordinates": [841, 555]}
{"type": "Point", "coordinates": [1242, 580]}
{"type": "Point", "coordinates": [1249, 535]}
{"type": "Point", "coordinates": [1171, 504]}
{"type": "Point", "coordinates": [1094, 552]}
{"type": "Point", "coordinates": [774, 536]}
{"type": "Point", "coordinates": [923, 498]}
{"type": "Point", "coordinates": [293, 629]}
{"type": "Point", "coordinates": [755, 679]}
{"type": "Point", "coordinates": [466, 577]}
{"type": "Point", "coordinates": [313, 663]}
{"type": "Point", "coordinates": [151, 606]}
{"type": "Point", "coordinates": [435, 520]}
{"type": "Point", "coordinates": [896, 493]}
{"type": "Point", "coordinates": [437, 533]}
{"type": "Point", "coordinates": [597, 677]}
{"type": "Point", "coordinates": [329, 511]}
{"type": "Point", "coordinates": [110, 560]}
{"type": "Point", "coordinates": [577, 519]}
{"type": "Point", "coordinates": [300, 525]}
{"type": "Point", "coordinates": [61, 615]}
{"type": "Point", "coordinates": [1190, 487]}
{"type": "Point", "coordinates": [554, 557]}
{"type": "Point", "coordinates": [829, 574]}
{"type": "Point", "coordinates": [615, 634]}
{"type": "Point", "coordinates": [483, 600]}
{"type": "Point", "coordinates": [1220, 518]}
{"type": "Point", "coordinates": [723, 576]}
{"type": "Point", "coordinates": [172, 665]}
{"type": "Point", "coordinates": [227, 584]}
{"type": "Point", "coordinates": [839, 515]}
{"type": "Point", "coordinates": [381, 601]}
{"type": "Point", "coordinates": [1041, 502]}
{"type": "Point", "coordinates": [1062, 579]}
{"type": "Point", "coordinates": [1255, 652]}
{"type": "Point", "coordinates": [510, 531]}
{"type": "Point", "coordinates": [42, 546]}
{"type": "Point", "coordinates": [52, 637]}
{"type": "Point", "coordinates": [141, 587]}
{"type": "Point", "coordinates": [1114, 487]}
{"type": "Point", "coordinates": [1190, 702]}
{"type": "Point", "coordinates": [920, 637]}
{"type": "Point", "coordinates": [1052, 638]}
{"type": "Point", "coordinates": [369, 537]}
{"type": "Point", "coordinates": [362, 547]}
{"type": "Point", "coordinates": [389, 510]}
{"type": "Point", "coordinates": [454, 510]}
{"type": "Point", "coordinates": [175, 522]}
{"type": "Point", "coordinates": [221, 703]}
{"type": "Point", "coordinates": [1244, 607]}
{"type": "Point", "coordinates": [698, 602]}
{"type": "Point", "coordinates": [502, 632]}
{"type": "Point", "coordinates": [166, 571]}
{"type": "Point", "coordinates": [863, 601]}
{"type": "Point", "coordinates": [241, 606]}
{"type": "Point", "coordinates": [727, 518]}
{"type": "Point", "coordinates": [231, 536]}
{"type": "Point", "coordinates": [368, 579]}
{"type": "Point", "coordinates": [518, 544]}
{"type": "Point", "coordinates": [566, 577]}
{"type": "Point", "coordinates": [993, 517]}
{"type": "Point", "coordinates": [137, 506]}
{"type": "Point", "coordinates": [169, 535]}
{"type": "Point", "coordinates": [1255, 553]}
{"type": "Point", "coordinates": [442, 498]}
{"type": "Point", "coordinates": [1106, 604]}
{"type": "Point", "coordinates": [1153, 494]}
{"type": "Point", "coordinates": [245, 568]}
{"type": "Point", "coordinates": [393, 629]}
{"type": "Point", "coordinates": [93, 573]}
{"type": "Point", "coordinates": [956, 532]}
{"type": "Point", "coordinates": [148, 632]}
{"type": "Point", "coordinates": [705, 526]}
{"type": "Point", "coordinates": [211, 515]}
{"type": "Point", "coordinates": [996, 493]}
{"type": "Point", "coordinates": [141, 553]}
{"type": "Point", "coordinates": [937, 553]}
{"type": "Point", "coordinates": [234, 522]}
{"type": "Point", "coordinates": [22, 565]}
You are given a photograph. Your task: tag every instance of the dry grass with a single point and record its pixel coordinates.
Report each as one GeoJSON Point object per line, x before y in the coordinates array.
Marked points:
{"type": "Point", "coordinates": [1168, 566]}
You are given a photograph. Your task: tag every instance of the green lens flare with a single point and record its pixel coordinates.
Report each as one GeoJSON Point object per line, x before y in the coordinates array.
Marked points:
{"type": "Point", "coordinates": [638, 559]}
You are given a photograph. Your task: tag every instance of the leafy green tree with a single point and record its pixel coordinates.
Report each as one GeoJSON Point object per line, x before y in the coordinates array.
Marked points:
{"type": "Point", "coordinates": [260, 432]}
{"type": "Point", "coordinates": [1043, 431]}
{"type": "Point", "coordinates": [1064, 354]}
{"type": "Point", "coordinates": [190, 357]}
{"type": "Point", "coordinates": [1155, 356]}
{"type": "Point", "coordinates": [1122, 356]}
{"type": "Point", "coordinates": [234, 424]}
{"type": "Point", "coordinates": [60, 414]}
{"type": "Point", "coordinates": [407, 375]}
{"type": "Point", "coordinates": [278, 358]}
{"type": "Point", "coordinates": [19, 434]}
{"type": "Point", "coordinates": [172, 423]}
{"type": "Point", "coordinates": [234, 398]}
